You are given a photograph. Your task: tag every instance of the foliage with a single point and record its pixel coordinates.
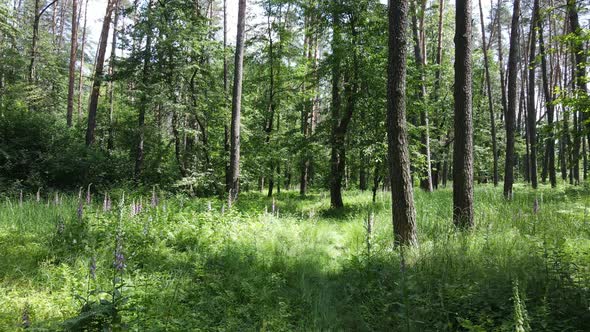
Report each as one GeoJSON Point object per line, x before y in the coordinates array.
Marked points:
{"type": "Point", "coordinates": [191, 268]}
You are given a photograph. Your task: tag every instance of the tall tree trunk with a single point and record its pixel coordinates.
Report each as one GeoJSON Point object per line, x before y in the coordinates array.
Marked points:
{"type": "Point", "coordinates": [512, 102]}
{"type": "Point", "coordinates": [110, 140]}
{"type": "Point", "coordinates": [102, 48]}
{"type": "Point", "coordinates": [143, 104]}
{"type": "Point", "coordinates": [337, 138]}
{"type": "Point", "coordinates": [531, 109]}
{"type": "Point", "coordinates": [271, 101]}
{"type": "Point", "coordinates": [402, 196]}
{"type": "Point", "coordinates": [437, 174]}
{"type": "Point", "coordinates": [237, 102]}
{"type": "Point", "coordinates": [501, 61]}
{"type": "Point", "coordinates": [581, 124]}
{"type": "Point", "coordinates": [82, 58]}
{"type": "Point", "coordinates": [35, 37]}
{"type": "Point", "coordinates": [426, 179]}
{"type": "Point", "coordinates": [226, 131]}
{"type": "Point", "coordinates": [490, 102]}
{"type": "Point", "coordinates": [548, 92]}
{"type": "Point", "coordinates": [463, 151]}
{"type": "Point", "coordinates": [72, 69]}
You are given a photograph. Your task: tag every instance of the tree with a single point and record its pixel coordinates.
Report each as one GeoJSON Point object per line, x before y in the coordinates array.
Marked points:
{"type": "Point", "coordinates": [402, 196]}
{"type": "Point", "coordinates": [463, 145]}
{"type": "Point", "coordinates": [512, 101]}
{"type": "Point", "coordinates": [98, 72]}
{"type": "Point", "coordinates": [426, 179]}
{"type": "Point", "coordinates": [72, 70]}
{"type": "Point", "coordinates": [489, 93]}
{"type": "Point", "coordinates": [234, 165]}
{"type": "Point", "coordinates": [531, 107]}
{"type": "Point", "coordinates": [549, 97]}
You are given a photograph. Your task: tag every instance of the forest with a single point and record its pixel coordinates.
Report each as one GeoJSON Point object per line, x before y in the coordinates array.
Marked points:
{"type": "Point", "coordinates": [294, 165]}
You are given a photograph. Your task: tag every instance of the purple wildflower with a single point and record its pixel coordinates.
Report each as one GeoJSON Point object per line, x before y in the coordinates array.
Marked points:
{"type": "Point", "coordinates": [26, 319]}
{"type": "Point", "coordinates": [88, 195]}
{"type": "Point", "coordinates": [60, 226]}
{"type": "Point", "coordinates": [146, 226]}
{"type": "Point", "coordinates": [155, 200]}
{"type": "Point", "coordinates": [80, 211]}
{"type": "Point", "coordinates": [132, 211]}
{"type": "Point", "coordinates": [92, 268]}
{"type": "Point", "coordinates": [119, 263]}
{"type": "Point", "coordinates": [106, 204]}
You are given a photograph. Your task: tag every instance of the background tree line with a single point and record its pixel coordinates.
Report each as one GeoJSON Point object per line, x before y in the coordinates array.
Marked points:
{"type": "Point", "coordinates": [156, 101]}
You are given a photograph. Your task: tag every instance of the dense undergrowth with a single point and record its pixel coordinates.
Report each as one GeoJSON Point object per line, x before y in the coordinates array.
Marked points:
{"type": "Point", "coordinates": [181, 266]}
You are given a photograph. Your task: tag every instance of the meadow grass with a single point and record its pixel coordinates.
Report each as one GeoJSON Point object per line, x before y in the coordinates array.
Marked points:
{"type": "Point", "coordinates": [302, 267]}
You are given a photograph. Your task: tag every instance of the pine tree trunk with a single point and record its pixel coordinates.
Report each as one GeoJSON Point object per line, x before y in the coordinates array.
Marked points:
{"type": "Point", "coordinates": [234, 165]}
{"type": "Point", "coordinates": [426, 179]}
{"type": "Point", "coordinates": [72, 68]}
{"type": "Point", "coordinates": [550, 142]}
{"type": "Point", "coordinates": [402, 196]}
{"type": "Point", "coordinates": [111, 138]}
{"type": "Point", "coordinates": [490, 102]}
{"type": "Point", "coordinates": [512, 102]}
{"type": "Point", "coordinates": [463, 144]}
{"type": "Point", "coordinates": [98, 73]}
{"type": "Point", "coordinates": [143, 104]}
{"type": "Point", "coordinates": [82, 58]}
{"type": "Point", "coordinates": [531, 109]}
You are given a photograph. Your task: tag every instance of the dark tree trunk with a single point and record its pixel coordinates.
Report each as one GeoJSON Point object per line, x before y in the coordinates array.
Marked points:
{"type": "Point", "coordinates": [72, 69]}
{"type": "Point", "coordinates": [143, 104]}
{"type": "Point", "coordinates": [437, 173]}
{"type": "Point", "coordinates": [548, 92]}
{"type": "Point", "coordinates": [237, 102]}
{"type": "Point", "coordinates": [340, 122]}
{"type": "Point", "coordinates": [463, 144]}
{"type": "Point", "coordinates": [82, 58]}
{"type": "Point", "coordinates": [490, 102]}
{"type": "Point", "coordinates": [512, 102]}
{"type": "Point", "coordinates": [425, 179]}
{"type": "Point", "coordinates": [402, 196]}
{"type": "Point", "coordinates": [581, 124]}
{"type": "Point", "coordinates": [531, 109]}
{"type": "Point", "coordinates": [102, 48]}
{"type": "Point", "coordinates": [501, 61]}
{"type": "Point", "coordinates": [111, 138]}
{"type": "Point", "coordinates": [35, 37]}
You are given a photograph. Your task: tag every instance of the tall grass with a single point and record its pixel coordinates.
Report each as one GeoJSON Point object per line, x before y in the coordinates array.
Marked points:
{"type": "Point", "coordinates": [307, 268]}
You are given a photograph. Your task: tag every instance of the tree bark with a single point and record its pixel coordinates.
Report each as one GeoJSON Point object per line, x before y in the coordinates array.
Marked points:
{"type": "Point", "coordinates": [72, 68]}
{"type": "Point", "coordinates": [512, 102]}
{"type": "Point", "coordinates": [402, 196]}
{"type": "Point", "coordinates": [111, 138]}
{"type": "Point", "coordinates": [102, 48]}
{"type": "Point", "coordinates": [490, 102]}
{"type": "Point", "coordinates": [143, 104]}
{"type": "Point", "coordinates": [548, 92]}
{"type": "Point", "coordinates": [237, 102]}
{"type": "Point", "coordinates": [531, 109]}
{"type": "Point", "coordinates": [426, 179]}
{"type": "Point", "coordinates": [82, 58]}
{"type": "Point", "coordinates": [463, 144]}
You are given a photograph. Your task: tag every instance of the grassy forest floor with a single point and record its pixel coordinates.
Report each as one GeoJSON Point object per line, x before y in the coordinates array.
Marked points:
{"type": "Point", "coordinates": [304, 268]}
